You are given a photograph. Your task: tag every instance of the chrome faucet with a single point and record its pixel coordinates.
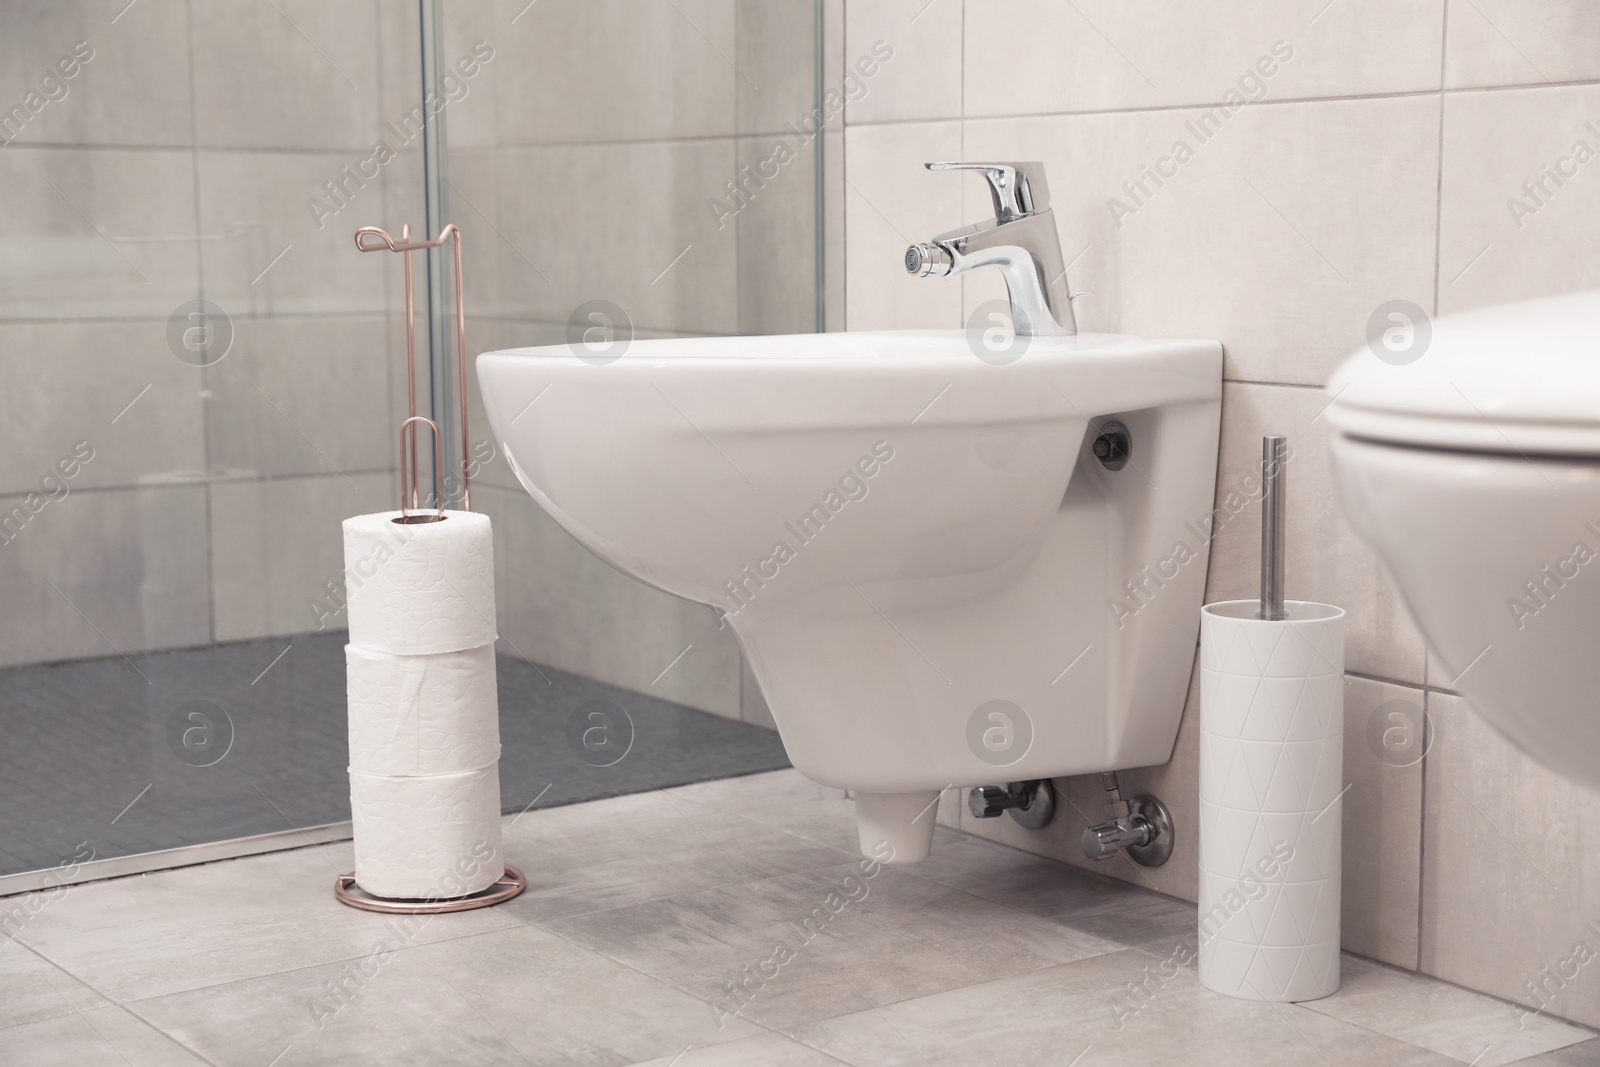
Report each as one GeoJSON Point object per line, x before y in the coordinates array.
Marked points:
{"type": "Point", "coordinates": [1021, 240]}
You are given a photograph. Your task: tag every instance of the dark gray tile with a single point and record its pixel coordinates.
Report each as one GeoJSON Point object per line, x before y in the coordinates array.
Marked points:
{"type": "Point", "coordinates": [86, 738]}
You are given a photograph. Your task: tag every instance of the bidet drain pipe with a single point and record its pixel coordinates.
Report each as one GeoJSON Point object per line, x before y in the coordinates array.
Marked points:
{"type": "Point", "coordinates": [1274, 454]}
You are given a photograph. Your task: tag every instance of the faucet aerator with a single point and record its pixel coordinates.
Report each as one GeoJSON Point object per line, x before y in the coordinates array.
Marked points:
{"type": "Point", "coordinates": [928, 261]}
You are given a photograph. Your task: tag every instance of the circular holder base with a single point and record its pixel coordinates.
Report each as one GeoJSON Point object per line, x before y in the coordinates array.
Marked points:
{"type": "Point", "coordinates": [345, 891]}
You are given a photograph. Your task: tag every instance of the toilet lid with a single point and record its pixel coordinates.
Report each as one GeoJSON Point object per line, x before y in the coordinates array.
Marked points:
{"type": "Point", "coordinates": [1520, 378]}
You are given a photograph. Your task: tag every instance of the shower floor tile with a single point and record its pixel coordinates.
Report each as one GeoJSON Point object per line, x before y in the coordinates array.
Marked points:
{"type": "Point", "coordinates": [643, 915]}
{"type": "Point", "coordinates": [96, 762]}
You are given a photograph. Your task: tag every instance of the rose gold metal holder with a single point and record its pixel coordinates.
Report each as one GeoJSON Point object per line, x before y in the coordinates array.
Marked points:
{"type": "Point", "coordinates": [512, 882]}
{"type": "Point", "coordinates": [509, 885]}
{"type": "Point", "coordinates": [380, 240]}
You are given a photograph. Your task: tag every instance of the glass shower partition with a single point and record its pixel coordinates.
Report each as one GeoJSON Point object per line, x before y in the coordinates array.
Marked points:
{"type": "Point", "coordinates": [204, 377]}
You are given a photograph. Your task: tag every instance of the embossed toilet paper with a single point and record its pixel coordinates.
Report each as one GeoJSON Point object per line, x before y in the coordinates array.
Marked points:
{"type": "Point", "coordinates": [430, 837]}
{"type": "Point", "coordinates": [415, 715]}
{"type": "Point", "coordinates": [423, 714]}
{"type": "Point", "coordinates": [420, 588]}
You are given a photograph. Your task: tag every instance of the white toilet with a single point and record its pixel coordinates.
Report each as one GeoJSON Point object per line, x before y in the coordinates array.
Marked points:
{"type": "Point", "coordinates": [1474, 471]}
{"type": "Point", "coordinates": [935, 579]}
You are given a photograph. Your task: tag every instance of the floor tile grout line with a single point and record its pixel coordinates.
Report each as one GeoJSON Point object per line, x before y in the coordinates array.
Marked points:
{"type": "Point", "coordinates": [653, 979]}
{"type": "Point", "coordinates": [120, 1005]}
{"type": "Point", "coordinates": [212, 986]}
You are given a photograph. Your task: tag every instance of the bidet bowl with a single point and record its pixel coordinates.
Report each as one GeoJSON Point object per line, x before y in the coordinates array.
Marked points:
{"type": "Point", "coordinates": [906, 539]}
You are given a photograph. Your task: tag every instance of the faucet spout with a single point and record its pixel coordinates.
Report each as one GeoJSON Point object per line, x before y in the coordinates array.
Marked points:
{"type": "Point", "coordinates": [1021, 240]}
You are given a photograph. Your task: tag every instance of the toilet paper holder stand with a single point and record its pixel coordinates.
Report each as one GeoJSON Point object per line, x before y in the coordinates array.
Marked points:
{"type": "Point", "coordinates": [375, 239]}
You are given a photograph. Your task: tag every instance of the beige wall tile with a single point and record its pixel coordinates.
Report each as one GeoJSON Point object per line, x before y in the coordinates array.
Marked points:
{"type": "Point", "coordinates": [134, 89]}
{"type": "Point", "coordinates": [891, 201]}
{"type": "Point", "coordinates": [561, 605]}
{"type": "Point", "coordinates": [95, 232]}
{"type": "Point", "coordinates": [67, 382]}
{"type": "Point", "coordinates": [1039, 56]}
{"type": "Point", "coordinates": [275, 545]}
{"type": "Point", "coordinates": [1325, 560]}
{"type": "Point", "coordinates": [1511, 866]}
{"type": "Point", "coordinates": [290, 74]}
{"type": "Point", "coordinates": [922, 79]}
{"type": "Point", "coordinates": [1333, 202]}
{"type": "Point", "coordinates": [1491, 250]}
{"type": "Point", "coordinates": [615, 70]}
{"type": "Point", "coordinates": [657, 198]}
{"type": "Point", "coordinates": [1382, 813]}
{"type": "Point", "coordinates": [128, 567]}
{"type": "Point", "coordinates": [1521, 42]}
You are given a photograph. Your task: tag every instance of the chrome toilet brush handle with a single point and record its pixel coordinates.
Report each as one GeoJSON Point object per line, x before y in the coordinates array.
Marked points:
{"type": "Point", "coordinates": [1274, 454]}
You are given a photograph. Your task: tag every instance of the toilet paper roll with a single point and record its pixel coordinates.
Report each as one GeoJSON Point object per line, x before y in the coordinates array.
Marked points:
{"type": "Point", "coordinates": [434, 837]}
{"type": "Point", "coordinates": [1271, 775]}
{"type": "Point", "coordinates": [420, 588]}
{"type": "Point", "coordinates": [417, 715]}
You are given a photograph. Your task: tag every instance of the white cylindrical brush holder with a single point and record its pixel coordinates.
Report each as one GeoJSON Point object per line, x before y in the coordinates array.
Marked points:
{"type": "Point", "coordinates": [1271, 768]}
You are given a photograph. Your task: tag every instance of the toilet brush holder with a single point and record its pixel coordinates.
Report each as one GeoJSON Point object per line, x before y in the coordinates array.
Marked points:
{"type": "Point", "coordinates": [1271, 770]}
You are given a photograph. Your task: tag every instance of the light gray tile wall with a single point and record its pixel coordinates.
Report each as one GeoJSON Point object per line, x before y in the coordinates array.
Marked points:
{"type": "Point", "coordinates": [103, 573]}
{"type": "Point", "coordinates": [277, 543]}
{"type": "Point", "coordinates": [617, 70]}
{"type": "Point", "coordinates": [181, 162]}
{"type": "Point", "coordinates": [314, 81]}
{"type": "Point", "coordinates": [75, 381]}
{"type": "Point", "coordinates": [90, 232]}
{"type": "Point", "coordinates": [1376, 163]}
{"type": "Point", "coordinates": [89, 105]}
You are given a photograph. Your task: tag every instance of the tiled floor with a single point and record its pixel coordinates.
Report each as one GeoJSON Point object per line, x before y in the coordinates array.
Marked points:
{"type": "Point", "coordinates": [646, 913]}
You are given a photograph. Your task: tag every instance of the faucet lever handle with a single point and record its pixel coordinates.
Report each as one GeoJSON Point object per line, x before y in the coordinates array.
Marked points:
{"type": "Point", "coordinates": [1018, 189]}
